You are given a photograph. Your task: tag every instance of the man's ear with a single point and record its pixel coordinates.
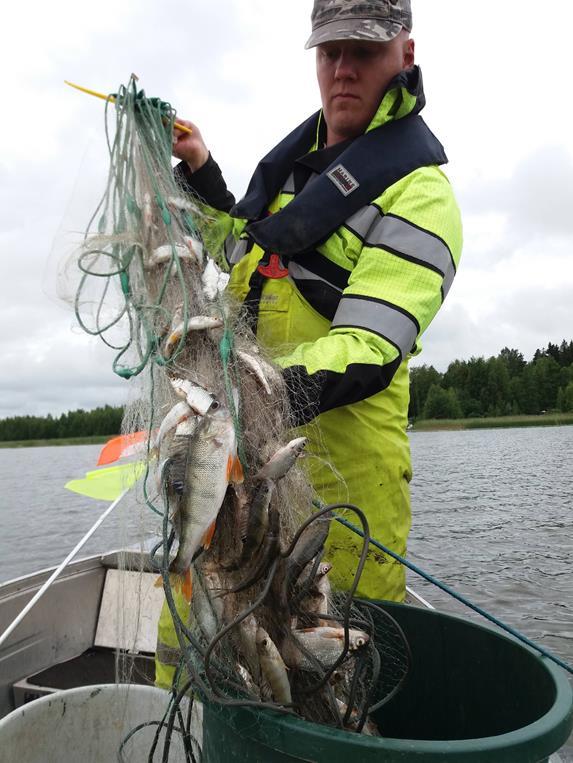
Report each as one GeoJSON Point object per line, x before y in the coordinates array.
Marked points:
{"type": "Point", "coordinates": [409, 53]}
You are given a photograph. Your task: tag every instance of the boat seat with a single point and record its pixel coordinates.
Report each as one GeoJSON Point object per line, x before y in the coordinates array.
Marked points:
{"type": "Point", "coordinates": [129, 612]}
{"type": "Point", "coordinates": [127, 623]}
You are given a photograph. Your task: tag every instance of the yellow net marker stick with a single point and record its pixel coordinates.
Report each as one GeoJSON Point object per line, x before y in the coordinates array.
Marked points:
{"type": "Point", "coordinates": [111, 99]}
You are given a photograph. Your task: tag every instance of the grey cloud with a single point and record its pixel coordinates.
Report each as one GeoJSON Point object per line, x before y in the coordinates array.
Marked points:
{"type": "Point", "coordinates": [536, 199]}
{"type": "Point", "coordinates": [57, 400]}
{"type": "Point", "coordinates": [65, 375]}
{"type": "Point", "coordinates": [452, 333]}
{"type": "Point", "coordinates": [527, 319]}
{"type": "Point", "coordinates": [181, 52]}
{"type": "Point", "coordinates": [542, 314]}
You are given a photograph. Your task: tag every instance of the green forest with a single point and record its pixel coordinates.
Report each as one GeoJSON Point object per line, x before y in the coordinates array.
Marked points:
{"type": "Point", "coordinates": [80, 423]}
{"type": "Point", "coordinates": [506, 385]}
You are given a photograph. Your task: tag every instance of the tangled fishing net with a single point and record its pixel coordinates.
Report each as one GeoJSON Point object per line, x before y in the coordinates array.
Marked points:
{"type": "Point", "coordinates": [240, 535]}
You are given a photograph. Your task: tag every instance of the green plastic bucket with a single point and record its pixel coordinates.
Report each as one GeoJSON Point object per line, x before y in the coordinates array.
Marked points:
{"type": "Point", "coordinates": [472, 695]}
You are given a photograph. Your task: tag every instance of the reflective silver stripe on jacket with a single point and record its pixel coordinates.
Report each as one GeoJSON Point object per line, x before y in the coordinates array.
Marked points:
{"type": "Point", "coordinates": [168, 655]}
{"type": "Point", "coordinates": [402, 237]}
{"type": "Point", "coordinates": [373, 315]}
{"type": "Point", "coordinates": [361, 222]}
{"type": "Point", "coordinates": [235, 250]}
{"type": "Point", "coordinates": [411, 241]}
{"type": "Point", "coordinates": [297, 272]}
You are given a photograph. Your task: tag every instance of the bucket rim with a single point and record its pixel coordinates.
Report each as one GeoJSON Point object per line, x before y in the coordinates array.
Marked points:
{"type": "Point", "coordinates": [65, 695]}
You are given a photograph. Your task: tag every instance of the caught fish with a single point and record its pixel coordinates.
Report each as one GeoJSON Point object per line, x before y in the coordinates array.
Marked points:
{"type": "Point", "coordinates": [247, 679]}
{"type": "Point", "coordinates": [179, 202]}
{"type": "Point", "coordinates": [310, 543]}
{"type": "Point", "coordinates": [247, 635]}
{"type": "Point", "coordinates": [257, 519]}
{"type": "Point", "coordinates": [165, 253]}
{"type": "Point", "coordinates": [310, 578]}
{"type": "Point", "coordinates": [369, 728]}
{"type": "Point", "coordinates": [207, 610]}
{"type": "Point", "coordinates": [323, 589]}
{"type": "Point", "coordinates": [281, 461]}
{"type": "Point", "coordinates": [179, 413]}
{"type": "Point", "coordinates": [311, 595]}
{"type": "Point", "coordinates": [326, 644]}
{"type": "Point", "coordinates": [268, 552]}
{"type": "Point", "coordinates": [314, 592]}
{"type": "Point", "coordinates": [272, 373]}
{"type": "Point", "coordinates": [197, 398]}
{"type": "Point", "coordinates": [255, 366]}
{"type": "Point", "coordinates": [147, 211]}
{"type": "Point", "coordinates": [204, 469]}
{"type": "Point", "coordinates": [323, 570]}
{"type": "Point", "coordinates": [356, 638]}
{"type": "Point", "coordinates": [213, 585]}
{"type": "Point", "coordinates": [273, 668]}
{"type": "Point", "coordinates": [241, 504]}
{"type": "Point", "coordinates": [187, 427]}
{"type": "Point", "coordinates": [214, 280]}
{"type": "Point", "coordinates": [315, 604]}
{"type": "Point", "coordinates": [197, 323]}
{"type": "Point", "coordinates": [196, 249]}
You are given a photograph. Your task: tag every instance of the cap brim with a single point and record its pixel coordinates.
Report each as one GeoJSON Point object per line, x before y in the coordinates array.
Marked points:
{"type": "Point", "coordinates": [356, 29]}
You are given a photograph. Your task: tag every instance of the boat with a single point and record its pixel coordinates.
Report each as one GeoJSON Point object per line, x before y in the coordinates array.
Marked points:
{"type": "Point", "coordinates": [61, 645]}
{"type": "Point", "coordinates": [71, 638]}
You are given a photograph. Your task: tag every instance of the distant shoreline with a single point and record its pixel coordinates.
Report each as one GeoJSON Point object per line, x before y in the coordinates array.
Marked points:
{"type": "Point", "coordinates": [94, 440]}
{"type": "Point", "coordinates": [423, 425]}
{"type": "Point", "coordinates": [498, 422]}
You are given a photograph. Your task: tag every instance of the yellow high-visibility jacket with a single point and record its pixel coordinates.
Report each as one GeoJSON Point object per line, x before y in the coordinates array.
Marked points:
{"type": "Point", "coordinates": [364, 273]}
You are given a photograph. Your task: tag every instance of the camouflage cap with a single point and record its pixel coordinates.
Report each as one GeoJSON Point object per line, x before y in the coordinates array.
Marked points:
{"type": "Point", "coordinates": [374, 20]}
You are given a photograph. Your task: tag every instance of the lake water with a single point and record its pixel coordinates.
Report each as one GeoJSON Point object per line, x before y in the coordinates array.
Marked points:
{"type": "Point", "coordinates": [492, 518]}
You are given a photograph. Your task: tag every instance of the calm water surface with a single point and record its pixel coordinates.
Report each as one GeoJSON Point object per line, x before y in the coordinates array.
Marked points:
{"type": "Point", "coordinates": [41, 521]}
{"type": "Point", "coordinates": [492, 517]}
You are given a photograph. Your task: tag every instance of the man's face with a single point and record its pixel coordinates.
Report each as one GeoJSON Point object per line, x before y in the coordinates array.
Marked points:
{"type": "Point", "coordinates": [353, 76]}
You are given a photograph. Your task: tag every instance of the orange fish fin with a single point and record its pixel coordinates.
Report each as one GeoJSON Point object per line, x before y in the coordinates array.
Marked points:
{"type": "Point", "coordinates": [123, 445]}
{"type": "Point", "coordinates": [187, 585]}
{"type": "Point", "coordinates": [208, 537]}
{"type": "Point", "coordinates": [181, 583]}
{"type": "Point", "coordinates": [235, 470]}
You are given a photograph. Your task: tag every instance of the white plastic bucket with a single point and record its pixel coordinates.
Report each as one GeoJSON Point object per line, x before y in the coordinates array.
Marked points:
{"type": "Point", "coordinates": [88, 725]}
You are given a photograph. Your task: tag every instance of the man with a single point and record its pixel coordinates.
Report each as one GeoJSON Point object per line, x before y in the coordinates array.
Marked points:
{"type": "Point", "coordinates": [342, 251]}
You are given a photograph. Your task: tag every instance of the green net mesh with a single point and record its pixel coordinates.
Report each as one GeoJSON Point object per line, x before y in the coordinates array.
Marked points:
{"type": "Point", "coordinates": [151, 284]}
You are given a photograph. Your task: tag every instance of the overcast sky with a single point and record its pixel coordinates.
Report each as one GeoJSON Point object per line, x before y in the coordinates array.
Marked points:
{"type": "Point", "coordinates": [498, 88]}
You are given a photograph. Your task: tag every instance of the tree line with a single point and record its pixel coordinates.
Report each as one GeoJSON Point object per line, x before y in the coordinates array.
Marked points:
{"type": "Point", "coordinates": [505, 385]}
{"type": "Point", "coordinates": [101, 421]}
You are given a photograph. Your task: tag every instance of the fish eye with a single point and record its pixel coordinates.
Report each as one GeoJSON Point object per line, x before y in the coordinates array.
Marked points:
{"type": "Point", "coordinates": [214, 405]}
{"type": "Point", "coordinates": [360, 642]}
